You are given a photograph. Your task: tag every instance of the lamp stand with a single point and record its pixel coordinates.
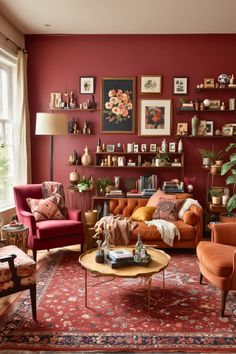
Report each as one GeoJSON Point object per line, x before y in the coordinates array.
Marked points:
{"type": "Point", "coordinates": [51, 156]}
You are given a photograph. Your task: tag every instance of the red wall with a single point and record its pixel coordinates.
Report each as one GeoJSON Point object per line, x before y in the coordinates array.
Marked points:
{"type": "Point", "coordinates": [57, 62]}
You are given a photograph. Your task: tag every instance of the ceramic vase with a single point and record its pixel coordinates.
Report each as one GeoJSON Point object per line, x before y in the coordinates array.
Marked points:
{"type": "Point", "coordinates": [86, 158]}
{"type": "Point", "coordinates": [194, 122]}
{"type": "Point", "coordinates": [74, 178]}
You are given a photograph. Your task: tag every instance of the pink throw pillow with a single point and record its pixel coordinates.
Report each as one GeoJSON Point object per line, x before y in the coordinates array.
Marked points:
{"type": "Point", "coordinates": [167, 209]}
{"type": "Point", "coordinates": [154, 199]}
{"type": "Point", "coordinates": [45, 209]}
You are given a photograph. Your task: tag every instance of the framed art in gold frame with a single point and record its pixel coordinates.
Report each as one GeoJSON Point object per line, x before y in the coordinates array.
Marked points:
{"type": "Point", "coordinates": [149, 84]}
{"type": "Point", "coordinates": [118, 105]}
{"type": "Point", "coordinates": [155, 117]}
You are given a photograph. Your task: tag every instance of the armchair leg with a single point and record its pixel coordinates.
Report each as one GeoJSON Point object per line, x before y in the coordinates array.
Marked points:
{"type": "Point", "coordinates": [200, 278]}
{"type": "Point", "coordinates": [33, 301]}
{"type": "Point", "coordinates": [35, 255]}
{"type": "Point", "coordinates": [223, 302]}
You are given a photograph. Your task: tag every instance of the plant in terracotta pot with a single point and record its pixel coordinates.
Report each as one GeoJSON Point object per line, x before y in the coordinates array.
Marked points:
{"type": "Point", "coordinates": [230, 167]}
{"type": "Point", "coordinates": [102, 185]}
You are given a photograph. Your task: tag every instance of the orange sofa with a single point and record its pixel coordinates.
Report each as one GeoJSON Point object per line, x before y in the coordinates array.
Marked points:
{"type": "Point", "coordinates": [190, 226]}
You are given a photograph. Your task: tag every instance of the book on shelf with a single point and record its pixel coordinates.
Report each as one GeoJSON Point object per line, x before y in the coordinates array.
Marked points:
{"type": "Point", "coordinates": [138, 194]}
{"type": "Point", "coordinates": [147, 182]}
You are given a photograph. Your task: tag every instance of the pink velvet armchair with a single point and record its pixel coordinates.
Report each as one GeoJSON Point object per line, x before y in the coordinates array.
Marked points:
{"type": "Point", "coordinates": [47, 234]}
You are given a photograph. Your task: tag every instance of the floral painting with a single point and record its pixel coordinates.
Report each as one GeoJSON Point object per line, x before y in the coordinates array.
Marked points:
{"type": "Point", "coordinates": [155, 117]}
{"type": "Point", "coordinates": [118, 105]}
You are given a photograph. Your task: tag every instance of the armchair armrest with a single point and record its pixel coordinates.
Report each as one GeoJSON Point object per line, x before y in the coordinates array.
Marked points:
{"type": "Point", "coordinates": [74, 214]}
{"type": "Point", "coordinates": [224, 233]}
{"type": "Point", "coordinates": [199, 226]}
{"type": "Point", "coordinates": [28, 220]}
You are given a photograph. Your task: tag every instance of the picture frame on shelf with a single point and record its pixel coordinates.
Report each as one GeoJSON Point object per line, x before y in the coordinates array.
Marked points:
{"type": "Point", "coordinates": [201, 130]}
{"type": "Point", "coordinates": [55, 100]}
{"type": "Point", "coordinates": [172, 147]}
{"type": "Point", "coordinates": [214, 104]}
{"type": "Point", "coordinates": [153, 147]}
{"type": "Point", "coordinates": [209, 82]}
{"type": "Point", "coordinates": [118, 105]}
{"type": "Point", "coordinates": [180, 85]}
{"type": "Point", "coordinates": [110, 148]}
{"type": "Point", "coordinates": [209, 128]}
{"type": "Point", "coordinates": [155, 117]}
{"type": "Point", "coordinates": [227, 130]}
{"type": "Point", "coordinates": [135, 147]}
{"type": "Point", "coordinates": [143, 147]}
{"type": "Point", "coordinates": [150, 84]}
{"type": "Point", "coordinates": [87, 85]}
{"type": "Point", "coordinates": [182, 128]}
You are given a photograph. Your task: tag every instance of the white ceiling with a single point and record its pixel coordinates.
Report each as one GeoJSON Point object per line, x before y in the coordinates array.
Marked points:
{"type": "Point", "coordinates": [120, 17]}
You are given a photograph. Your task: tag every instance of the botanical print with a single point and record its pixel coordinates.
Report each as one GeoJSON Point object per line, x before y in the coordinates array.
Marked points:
{"type": "Point", "coordinates": [87, 85]}
{"type": "Point", "coordinates": [150, 84]}
{"type": "Point", "coordinates": [118, 98]}
{"type": "Point", "coordinates": [180, 85]}
{"type": "Point", "coordinates": [154, 117]}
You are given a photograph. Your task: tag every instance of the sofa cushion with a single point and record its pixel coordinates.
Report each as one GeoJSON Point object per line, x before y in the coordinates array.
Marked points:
{"type": "Point", "coordinates": [216, 257]}
{"type": "Point", "coordinates": [143, 213]}
{"type": "Point", "coordinates": [190, 218]}
{"type": "Point", "coordinates": [167, 209]}
{"type": "Point", "coordinates": [45, 209]}
{"type": "Point", "coordinates": [154, 199]}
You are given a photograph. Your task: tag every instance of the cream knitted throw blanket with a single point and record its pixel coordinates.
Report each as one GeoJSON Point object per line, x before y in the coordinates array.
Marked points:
{"type": "Point", "coordinates": [167, 229]}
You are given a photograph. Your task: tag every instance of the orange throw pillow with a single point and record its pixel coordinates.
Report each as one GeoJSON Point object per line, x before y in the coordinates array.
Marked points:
{"type": "Point", "coordinates": [154, 199]}
{"type": "Point", "coordinates": [45, 209]}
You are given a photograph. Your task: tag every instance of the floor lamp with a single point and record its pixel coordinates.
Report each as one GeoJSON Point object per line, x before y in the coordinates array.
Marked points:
{"type": "Point", "coordinates": [51, 124]}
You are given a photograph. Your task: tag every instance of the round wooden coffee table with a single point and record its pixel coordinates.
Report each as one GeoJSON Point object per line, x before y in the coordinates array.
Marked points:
{"type": "Point", "coordinates": [159, 262]}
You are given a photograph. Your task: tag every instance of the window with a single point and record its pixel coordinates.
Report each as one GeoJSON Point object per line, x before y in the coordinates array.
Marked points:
{"type": "Point", "coordinates": [7, 79]}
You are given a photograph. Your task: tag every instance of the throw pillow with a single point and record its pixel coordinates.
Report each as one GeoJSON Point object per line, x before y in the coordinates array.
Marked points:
{"type": "Point", "coordinates": [45, 209]}
{"type": "Point", "coordinates": [167, 209]}
{"type": "Point", "coordinates": [143, 213]}
{"type": "Point", "coordinates": [154, 199]}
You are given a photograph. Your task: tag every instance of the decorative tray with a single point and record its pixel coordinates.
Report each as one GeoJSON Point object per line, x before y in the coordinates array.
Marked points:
{"type": "Point", "coordinates": [128, 262]}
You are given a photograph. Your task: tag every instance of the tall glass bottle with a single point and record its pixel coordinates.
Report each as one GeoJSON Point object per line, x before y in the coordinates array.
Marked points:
{"type": "Point", "coordinates": [138, 248]}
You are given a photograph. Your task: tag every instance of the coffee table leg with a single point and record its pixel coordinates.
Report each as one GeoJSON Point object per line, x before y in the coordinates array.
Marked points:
{"type": "Point", "coordinates": [85, 288]}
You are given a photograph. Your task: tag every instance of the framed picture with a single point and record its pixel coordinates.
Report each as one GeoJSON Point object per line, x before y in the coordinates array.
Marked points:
{"type": "Point", "coordinates": [153, 147]}
{"type": "Point", "coordinates": [182, 129]}
{"type": "Point", "coordinates": [209, 127]}
{"type": "Point", "coordinates": [180, 85]}
{"type": "Point", "coordinates": [214, 104]}
{"type": "Point", "coordinates": [118, 105]}
{"type": "Point", "coordinates": [143, 147]}
{"type": "Point", "coordinates": [149, 84]}
{"type": "Point", "coordinates": [87, 84]}
{"type": "Point", "coordinates": [201, 130]}
{"type": "Point", "coordinates": [135, 147]}
{"type": "Point", "coordinates": [209, 82]}
{"type": "Point", "coordinates": [227, 130]}
{"type": "Point", "coordinates": [155, 117]}
{"type": "Point", "coordinates": [110, 148]}
{"type": "Point", "coordinates": [172, 147]}
{"type": "Point", "coordinates": [55, 100]}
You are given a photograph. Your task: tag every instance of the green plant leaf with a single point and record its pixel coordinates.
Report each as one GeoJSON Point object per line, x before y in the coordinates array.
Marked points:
{"type": "Point", "coordinates": [230, 146]}
{"type": "Point", "coordinates": [231, 179]}
{"type": "Point", "coordinates": [227, 166]}
{"type": "Point", "coordinates": [231, 203]}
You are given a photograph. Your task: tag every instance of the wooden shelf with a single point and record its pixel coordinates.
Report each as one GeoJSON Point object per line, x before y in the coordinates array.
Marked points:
{"type": "Point", "coordinates": [74, 109]}
{"type": "Point", "coordinates": [141, 167]}
{"type": "Point", "coordinates": [181, 110]}
{"type": "Point", "coordinates": [199, 89]}
{"type": "Point", "coordinates": [205, 136]}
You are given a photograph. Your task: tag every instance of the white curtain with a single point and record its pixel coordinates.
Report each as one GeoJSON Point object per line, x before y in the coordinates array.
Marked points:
{"type": "Point", "coordinates": [22, 148]}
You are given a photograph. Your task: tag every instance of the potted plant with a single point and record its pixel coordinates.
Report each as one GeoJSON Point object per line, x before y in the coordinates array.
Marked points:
{"type": "Point", "coordinates": [102, 185]}
{"type": "Point", "coordinates": [230, 166]}
{"type": "Point", "coordinates": [207, 156]}
{"type": "Point", "coordinates": [216, 195]}
{"type": "Point", "coordinates": [161, 158]}
{"type": "Point", "coordinates": [85, 184]}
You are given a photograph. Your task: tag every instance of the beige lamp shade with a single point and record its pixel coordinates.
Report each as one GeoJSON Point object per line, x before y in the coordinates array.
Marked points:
{"type": "Point", "coordinates": [51, 124]}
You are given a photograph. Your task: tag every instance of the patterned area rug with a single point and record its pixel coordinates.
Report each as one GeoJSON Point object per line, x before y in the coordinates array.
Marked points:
{"type": "Point", "coordinates": [186, 319]}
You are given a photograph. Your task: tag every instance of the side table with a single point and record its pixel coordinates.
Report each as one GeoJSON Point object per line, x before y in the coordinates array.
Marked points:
{"type": "Point", "coordinates": [17, 236]}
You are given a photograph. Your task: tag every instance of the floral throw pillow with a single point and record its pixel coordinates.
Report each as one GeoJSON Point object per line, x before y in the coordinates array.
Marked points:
{"type": "Point", "coordinates": [167, 209]}
{"type": "Point", "coordinates": [45, 209]}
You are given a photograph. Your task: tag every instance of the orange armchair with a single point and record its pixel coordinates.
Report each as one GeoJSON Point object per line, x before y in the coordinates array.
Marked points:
{"type": "Point", "coordinates": [217, 259]}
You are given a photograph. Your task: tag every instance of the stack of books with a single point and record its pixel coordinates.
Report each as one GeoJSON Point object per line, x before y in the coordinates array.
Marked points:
{"type": "Point", "coordinates": [148, 192]}
{"type": "Point", "coordinates": [134, 193]}
{"type": "Point", "coordinates": [115, 193]}
{"type": "Point", "coordinates": [120, 255]}
{"type": "Point", "coordinates": [173, 187]}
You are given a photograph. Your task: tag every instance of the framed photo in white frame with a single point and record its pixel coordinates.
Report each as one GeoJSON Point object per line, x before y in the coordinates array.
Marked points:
{"type": "Point", "coordinates": [153, 147]}
{"type": "Point", "coordinates": [155, 117]}
{"type": "Point", "coordinates": [180, 85]}
{"type": "Point", "coordinates": [172, 147]}
{"type": "Point", "coordinates": [209, 127]}
{"type": "Point", "coordinates": [87, 84]}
